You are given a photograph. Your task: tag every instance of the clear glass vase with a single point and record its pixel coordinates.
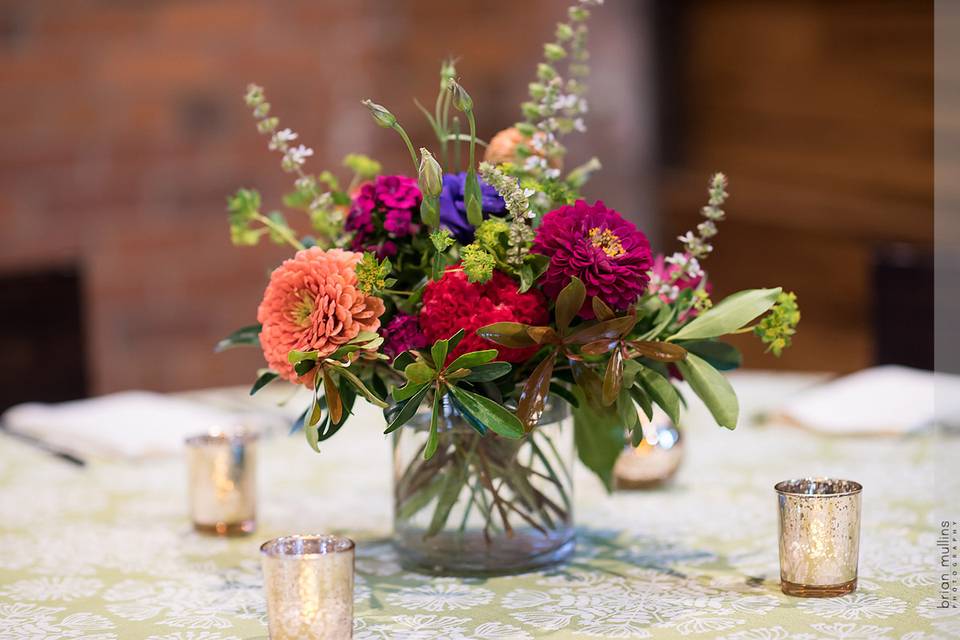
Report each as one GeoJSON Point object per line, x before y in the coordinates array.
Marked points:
{"type": "Point", "coordinates": [483, 505]}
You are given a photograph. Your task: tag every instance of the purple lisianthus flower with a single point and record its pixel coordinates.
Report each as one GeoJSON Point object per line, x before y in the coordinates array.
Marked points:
{"type": "Point", "coordinates": [453, 209]}
{"type": "Point", "coordinates": [398, 222]}
{"type": "Point", "coordinates": [608, 253]}
{"type": "Point", "coordinates": [401, 334]}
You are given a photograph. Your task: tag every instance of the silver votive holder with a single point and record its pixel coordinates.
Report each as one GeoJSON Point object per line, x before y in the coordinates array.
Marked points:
{"type": "Point", "coordinates": [309, 586]}
{"type": "Point", "coordinates": [222, 483]}
{"type": "Point", "coordinates": [819, 536]}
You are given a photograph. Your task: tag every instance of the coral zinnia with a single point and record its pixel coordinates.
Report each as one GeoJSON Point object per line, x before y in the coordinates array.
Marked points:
{"type": "Point", "coordinates": [452, 303]}
{"type": "Point", "coordinates": [312, 304]}
{"type": "Point", "coordinates": [608, 253]}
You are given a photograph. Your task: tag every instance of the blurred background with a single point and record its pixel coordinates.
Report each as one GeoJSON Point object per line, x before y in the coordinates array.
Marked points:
{"type": "Point", "coordinates": [122, 130]}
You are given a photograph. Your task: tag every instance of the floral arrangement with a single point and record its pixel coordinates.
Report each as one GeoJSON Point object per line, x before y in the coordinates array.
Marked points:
{"type": "Point", "coordinates": [490, 285]}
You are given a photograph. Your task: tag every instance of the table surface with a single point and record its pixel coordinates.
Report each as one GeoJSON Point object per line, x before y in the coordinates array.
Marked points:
{"type": "Point", "coordinates": [105, 551]}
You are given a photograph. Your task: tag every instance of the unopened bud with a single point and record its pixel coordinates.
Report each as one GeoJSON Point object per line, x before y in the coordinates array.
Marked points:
{"type": "Point", "coordinates": [380, 114]}
{"type": "Point", "coordinates": [461, 99]}
{"type": "Point", "coordinates": [430, 175]}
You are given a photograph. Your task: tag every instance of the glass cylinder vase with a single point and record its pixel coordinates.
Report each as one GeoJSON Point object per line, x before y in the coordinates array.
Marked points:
{"type": "Point", "coordinates": [483, 504]}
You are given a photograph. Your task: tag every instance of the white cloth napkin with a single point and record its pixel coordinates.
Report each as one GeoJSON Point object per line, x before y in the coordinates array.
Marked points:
{"type": "Point", "coordinates": [130, 424]}
{"type": "Point", "coordinates": [881, 400]}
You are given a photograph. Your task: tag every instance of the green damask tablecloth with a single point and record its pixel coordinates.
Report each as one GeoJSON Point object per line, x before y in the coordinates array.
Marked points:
{"type": "Point", "coordinates": [106, 551]}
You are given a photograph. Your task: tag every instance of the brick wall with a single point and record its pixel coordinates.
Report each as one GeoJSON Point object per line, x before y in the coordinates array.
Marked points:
{"type": "Point", "coordinates": [122, 130]}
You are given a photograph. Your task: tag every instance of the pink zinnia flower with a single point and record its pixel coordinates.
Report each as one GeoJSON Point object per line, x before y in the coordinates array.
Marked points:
{"type": "Point", "coordinates": [312, 304]}
{"type": "Point", "coordinates": [608, 253]}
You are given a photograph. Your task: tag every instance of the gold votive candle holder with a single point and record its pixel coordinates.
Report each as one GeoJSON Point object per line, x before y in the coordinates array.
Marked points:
{"type": "Point", "coordinates": [819, 536]}
{"type": "Point", "coordinates": [309, 586]}
{"type": "Point", "coordinates": [222, 483]}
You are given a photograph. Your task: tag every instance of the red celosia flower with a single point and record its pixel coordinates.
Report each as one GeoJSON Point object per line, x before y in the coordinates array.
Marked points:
{"type": "Point", "coordinates": [453, 303]}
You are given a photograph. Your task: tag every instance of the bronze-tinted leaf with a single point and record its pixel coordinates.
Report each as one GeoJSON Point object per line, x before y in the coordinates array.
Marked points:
{"type": "Point", "coordinates": [660, 351]}
{"type": "Point", "coordinates": [334, 402]}
{"type": "Point", "coordinates": [569, 302]}
{"type": "Point", "coordinates": [543, 335]}
{"type": "Point", "coordinates": [608, 330]}
{"type": "Point", "coordinates": [599, 347]}
{"type": "Point", "coordinates": [534, 394]}
{"type": "Point", "coordinates": [613, 378]}
{"type": "Point", "coordinates": [601, 310]}
{"type": "Point", "coordinates": [508, 334]}
{"type": "Point", "coordinates": [589, 382]}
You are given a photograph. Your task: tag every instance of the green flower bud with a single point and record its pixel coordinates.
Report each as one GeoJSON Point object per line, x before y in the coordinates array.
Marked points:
{"type": "Point", "coordinates": [430, 175]}
{"type": "Point", "coordinates": [537, 90]}
{"type": "Point", "coordinates": [254, 95]}
{"type": "Point", "coordinates": [564, 31]}
{"type": "Point", "coordinates": [380, 114]}
{"type": "Point", "coordinates": [554, 52]}
{"type": "Point", "coordinates": [545, 72]}
{"type": "Point", "coordinates": [461, 99]}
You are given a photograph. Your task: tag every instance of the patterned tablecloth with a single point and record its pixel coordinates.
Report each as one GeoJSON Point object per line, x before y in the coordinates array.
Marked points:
{"type": "Point", "coordinates": [105, 551]}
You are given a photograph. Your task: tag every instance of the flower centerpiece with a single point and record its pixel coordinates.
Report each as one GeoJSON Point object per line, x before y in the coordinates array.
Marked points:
{"type": "Point", "coordinates": [497, 318]}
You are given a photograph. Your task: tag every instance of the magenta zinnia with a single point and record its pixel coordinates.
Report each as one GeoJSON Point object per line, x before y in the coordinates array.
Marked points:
{"type": "Point", "coordinates": [608, 253]}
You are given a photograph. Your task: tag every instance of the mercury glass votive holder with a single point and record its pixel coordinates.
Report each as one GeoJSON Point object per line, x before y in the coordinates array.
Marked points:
{"type": "Point", "coordinates": [222, 483]}
{"type": "Point", "coordinates": [819, 536]}
{"type": "Point", "coordinates": [309, 586]}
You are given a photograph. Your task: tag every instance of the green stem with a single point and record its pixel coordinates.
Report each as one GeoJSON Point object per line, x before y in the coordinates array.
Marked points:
{"type": "Point", "coordinates": [397, 292]}
{"type": "Point", "coordinates": [473, 140]}
{"type": "Point", "coordinates": [283, 232]}
{"type": "Point", "coordinates": [406, 140]}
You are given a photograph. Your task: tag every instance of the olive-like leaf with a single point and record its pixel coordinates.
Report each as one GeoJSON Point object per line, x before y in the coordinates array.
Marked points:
{"type": "Point", "coordinates": [455, 339]}
{"type": "Point", "coordinates": [659, 351]}
{"type": "Point", "coordinates": [601, 310]}
{"type": "Point", "coordinates": [296, 356]}
{"type": "Point", "coordinates": [721, 355]}
{"type": "Point", "coordinates": [613, 378]}
{"type": "Point", "coordinates": [508, 334]}
{"type": "Point", "coordinates": [731, 314]}
{"type": "Point", "coordinates": [407, 391]}
{"type": "Point", "coordinates": [494, 416]}
{"type": "Point", "coordinates": [533, 396]}
{"type": "Point", "coordinates": [358, 384]}
{"type": "Point", "coordinates": [439, 353]}
{"type": "Point", "coordinates": [407, 410]}
{"type": "Point", "coordinates": [715, 391]}
{"type": "Point", "coordinates": [642, 399]}
{"type": "Point", "coordinates": [599, 347]}
{"type": "Point", "coordinates": [332, 394]}
{"type": "Point", "coordinates": [245, 337]}
{"type": "Point", "coordinates": [569, 302]}
{"type": "Point", "coordinates": [606, 330]}
{"type": "Point", "coordinates": [472, 359]}
{"type": "Point", "coordinates": [402, 360]}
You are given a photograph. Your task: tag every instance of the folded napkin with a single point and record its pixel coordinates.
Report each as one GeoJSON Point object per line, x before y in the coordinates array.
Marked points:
{"type": "Point", "coordinates": [130, 424]}
{"type": "Point", "coordinates": [881, 400]}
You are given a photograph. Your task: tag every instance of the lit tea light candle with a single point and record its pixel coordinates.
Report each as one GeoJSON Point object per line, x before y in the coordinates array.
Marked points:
{"type": "Point", "coordinates": [309, 586]}
{"type": "Point", "coordinates": [819, 536]}
{"type": "Point", "coordinates": [222, 483]}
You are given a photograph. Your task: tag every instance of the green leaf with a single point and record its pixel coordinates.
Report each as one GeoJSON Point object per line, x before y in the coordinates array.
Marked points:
{"type": "Point", "coordinates": [508, 334]}
{"type": "Point", "coordinates": [312, 432]}
{"type": "Point", "coordinates": [642, 399]}
{"type": "Point", "coordinates": [402, 360]}
{"type": "Point", "coordinates": [407, 410]}
{"type": "Point", "coordinates": [433, 438]}
{"type": "Point", "coordinates": [407, 391]}
{"type": "Point", "coordinates": [731, 314]}
{"type": "Point", "coordinates": [489, 372]}
{"type": "Point", "coordinates": [599, 437]}
{"type": "Point", "coordinates": [420, 498]}
{"type": "Point", "coordinates": [245, 337]}
{"type": "Point", "coordinates": [562, 392]}
{"type": "Point", "coordinates": [439, 353]}
{"type": "Point", "coordinates": [662, 392]}
{"type": "Point", "coordinates": [493, 415]}
{"type": "Point", "coordinates": [471, 419]}
{"type": "Point", "coordinates": [472, 359]}
{"type": "Point", "coordinates": [715, 391]}
{"type": "Point", "coordinates": [304, 367]}
{"type": "Point", "coordinates": [455, 339]}
{"type": "Point", "coordinates": [298, 356]}
{"type": "Point", "coordinates": [358, 384]}
{"type": "Point", "coordinates": [720, 355]}
{"type": "Point", "coordinates": [419, 373]}
{"type": "Point", "coordinates": [569, 302]}
{"type": "Point", "coordinates": [662, 320]}
{"type": "Point", "coordinates": [332, 394]}
{"type": "Point", "coordinates": [264, 379]}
